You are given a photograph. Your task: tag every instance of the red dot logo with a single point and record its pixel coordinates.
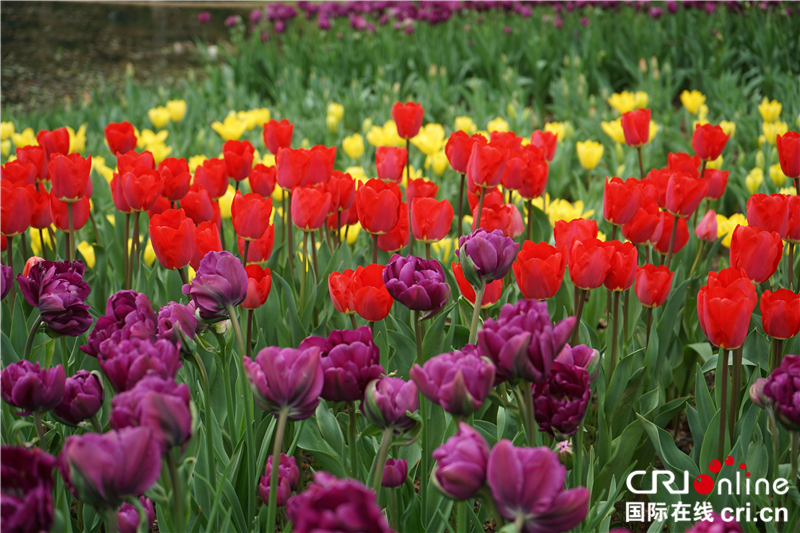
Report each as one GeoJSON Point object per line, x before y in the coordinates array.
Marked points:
{"type": "Point", "coordinates": [715, 466]}
{"type": "Point", "coordinates": [742, 466]}
{"type": "Point", "coordinates": [703, 484]}
{"type": "Point", "coordinates": [729, 460]}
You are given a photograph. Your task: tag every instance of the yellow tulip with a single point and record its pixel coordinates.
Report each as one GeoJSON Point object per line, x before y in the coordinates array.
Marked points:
{"type": "Point", "coordinates": [760, 163]}
{"type": "Point", "coordinates": [788, 191]}
{"type": "Point", "coordinates": [430, 138]}
{"type": "Point", "coordinates": [149, 254]}
{"type": "Point", "coordinates": [159, 116]}
{"type": "Point", "coordinates": [614, 130]}
{"type": "Point", "coordinates": [716, 164]}
{"type": "Point", "coordinates": [702, 113]}
{"type": "Point", "coordinates": [191, 274]}
{"type": "Point", "coordinates": [485, 134]}
{"type": "Point", "coordinates": [653, 130]}
{"type": "Point", "coordinates": [692, 100]}
{"type": "Point", "coordinates": [6, 130]}
{"type": "Point", "coordinates": [195, 161]}
{"type": "Point", "coordinates": [366, 125]}
{"type": "Point", "coordinates": [160, 151]}
{"type": "Point", "coordinates": [498, 124]}
{"type": "Point", "coordinates": [111, 220]}
{"type": "Point", "coordinates": [770, 111]}
{"type": "Point", "coordinates": [543, 205]}
{"type": "Point", "coordinates": [256, 118]}
{"type": "Point", "coordinates": [641, 99]}
{"type": "Point", "coordinates": [36, 242]}
{"type": "Point", "coordinates": [392, 137]}
{"type": "Point", "coordinates": [226, 201]}
{"type": "Point", "coordinates": [725, 227]}
{"type": "Point", "coordinates": [776, 175]}
{"type": "Point", "coordinates": [24, 138]}
{"type": "Point", "coordinates": [623, 102]}
{"type": "Point", "coordinates": [5, 147]}
{"type": "Point", "coordinates": [728, 127]}
{"type": "Point", "coordinates": [353, 146]}
{"type": "Point", "coordinates": [465, 124]}
{"type": "Point", "coordinates": [375, 136]}
{"type": "Point", "coordinates": [773, 129]}
{"type": "Point", "coordinates": [438, 162]}
{"type": "Point", "coordinates": [177, 110]}
{"type": "Point", "coordinates": [336, 110]}
{"type": "Point", "coordinates": [231, 129]}
{"type": "Point", "coordinates": [761, 140]}
{"type": "Point", "coordinates": [358, 174]}
{"type": "Point", "coordinates": [444, 249]}
{"type": "Point", "coordinates": [268, 160]}
{"type": "Point", "coordinates": [560, 209]}
{"type": "Point", "coordinates": [556, 128]}
{"type": "Point", "coordinates": [277, 194]}
{"type": "Point", "coordinates": [351, 231]}
{"type": "Point", "coordinates": [415, 174]}
{"type": "Point", "coordinates": [589, 153]}
{"type": "Point", "coordinates": [87, 251]}
{"type": "Point", "coordinates": [148, 137]}
{"type": "Point", "coordinates": [754, 179]}
{"type": "Point", "coordinates": [600, 236]}
{"type": "Point", "coordinates": [511, 111]}
{"type": "Point", "coordinates": [332, 123]}
{"type": "Point", "coordinates": [99, 166]}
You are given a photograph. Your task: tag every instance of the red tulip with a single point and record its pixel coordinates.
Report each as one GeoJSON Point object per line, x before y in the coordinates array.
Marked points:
{"type": "Point", "coordinates": [459, 148]}
{"type": "Point", "coordinates": [278, 135]}
{"type": "Point", "coordinates": [516, 168]}
{"type": "Point", "coordinates": [118, 195]}
{"type": "Point", "coordinates": [730, 278]}
{"type": "Point", "coordinates": [757, 251]}
{"type": "Point", "coordinates": [259, 282]}
{"type": "Point", "coordinates": [430, 219]}
{"type": "Point", "coordinates": [161, 205]}
{"type": "Point", "coordinates": [378, 205]}
{"type": "Point", "coordinates": [621, 200]}
{"type": "Point", "coordinates": [238, 157]}
{"type": "Point", "coordinates": [176, 178]}
{"type": "Point", "coordinates": [793, 226]}
{"type": "Point", "coordinates": [636, 127]}
{"type": "Point", "coordinates": [250, 215]}
{"type": "Point", "coordinates": [206, 239]}
{"type": "Point", "coordinates": [408, 118]}
{"type": "Point", "coordinates": [130, 160]}
{"type": "Point", "coordinates": [260, 249]}
{"type": "Point", "coordinates": [397, 238]}
{"type": "Point", "coordinates": [788, 153]}
{"type": "Point", "coordinates": [173, 238]}
{"type": "Point", "coordinates": [566, 232]}
{"type": "Point", "coordinates": [491, 293]}
{"type": "Point", "coordinates": [18, 171]}
{"type": "Point", "coordinates": [198, 204]}
{"type": "Point", "coordinates": [121, 137]}
{"type": "Point", "coordinates": [547, 142]}
{"type": "Point", "coordinates": [212, 175]}
{"type": "Point", "coordinates": [262, 179]}
{"type": "Point", "coordinates": [589, 262]}
{"type": "Point", "coordinates": [371, 300]}
{"type": "Point", "coordinates": [142, 187]}
{"type": "Point", "coordinates": [708, 141]}
{"type": "Point", "coordinates": [320, 165]}
{"type": "Point", "coordinates": [717, 181]}
{"type": "Point", "coordinates": [17, 207]}
{"type": "Point", "coordinates": [535, 180]}
{"type": "Point", "coordinates": [769, 212]}
{"type": "Point", "coordinates": [681, 235]}
{"type": "Point", "coordinates": [486, 165]}
{"type": "Point", "coordinates": [70, 176]}
{"type": "Point", "coordinates": [539, 270]}
{"type": "Point", "coordinates": [780, 313]}
{"type": "Point", "coordinates": [310, 207]}
{"type": "Point", "coordinates": [623, 258]}
{"type": "Point", "coordinates": [653, 284]}
{"type": "Point", "coordinates": [34, 155]}
{"type": "Point", "coordinates": [41, 219]}
{"type": "Point", "coordinates": [498, 216]}
{"type": "Point", "coordinates": [292, 167]}
{"type": "Point", "coordinates": [646, 226]}
{"type": "Point", "coordinates": [491, 198]}
{"type": "Point", "coordinates": [343, 191]}
{"type": "Point", "coordinates": [340, 287]}
{"type": "Point", "coordinates": [655, 185]}
{"type": "Point", "coordinates": [390, 162]}
{"type": "Point", "coordinates": [724, 315]}
{"type": "Point", "coordinates": [684, 194]}
{"type": "Point", "coordinates": [348, 217]}
{"type": "Point", "coordinates": [683, 162]}
{"type": "Point", "coordinates": [420, 188]}
{"type": "Point", "coordinates": [53, 142]}
{"type": "Point", "coordinates": [706, 229]}
{"type": "Point", "coordinates": [58, 212]}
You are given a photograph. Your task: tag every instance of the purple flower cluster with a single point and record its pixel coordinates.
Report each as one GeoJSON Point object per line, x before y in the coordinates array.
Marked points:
{"type": "Point", "coordinates": [783, 388]}
{"type": "Point", "coordinates": [128, 516]}
{"type": "Point", "coordinates": [560, 402]}
{"type": "Point", "coordinates": [129, 315]}
{"type": "Point", "coordinates": [83, 397]}
{"type": "Point", "coordinates": [288, 478]}
{"type": "Point", "coordinates": [26, 386]}
{"type": "Point", "coordinates": [416, 283]}
{"type": "Point", "coordinates": [58, 290]}
{"type": "Point", "coordinates": [27, 489]}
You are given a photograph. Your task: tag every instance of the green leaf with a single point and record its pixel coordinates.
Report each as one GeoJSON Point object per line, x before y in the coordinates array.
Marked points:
{"type": "Point", "coordinates": [670, 455]}
{"type": "Point", "coordinates": [434, 337]}
{"type": "Point", "coordinates": [312, 441]}
{"type": "Point", "coordinates": [295, 326]}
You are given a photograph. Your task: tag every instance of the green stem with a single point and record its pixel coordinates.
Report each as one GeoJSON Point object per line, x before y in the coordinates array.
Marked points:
{"type": "Point", "coordinates": [577, 449]}
{"type": "Point", "coordinates": [776, 442]}
{"type": "Point", "coordinates": [530, 417]}
{"type": "Point", "coordinates": [736, 383]}
{"type": "Point", "coordinates": [111, 520]}
{"type": "Point", "coordinates": [649, 322]}
{"type": "Point", "coordinates": [461, 519]}
{"type": "Point", "coordinates": [476, 311]}
{"type": "Point", "coordinates": [626, 303]}
{"type": "Point", "coordinates": [249, 343]}
{"type": "Point", "coordinates": [352, 430]}
{"type": "Point", "coordinates": [135, 245]}
{"type": "Point", "coordinates": [641, 167]}
{"type": "Point", "coordinates": [614, 334]}
{"type": "Point", "coordinates": [126, 252]}
{"type": "Point", "coordinates": [65, 356]}
{"type": "Point", "coordinates": [201, 369]}
{"type": "Point", "coordinates": [428, 251]}
{"type": "Point", "coordinates": [314, 255]}
{"type": "Point", "coordinates": [31, 335]}
{"type": "Point", "coordinates": [789, 260]}
{"type": "Point", "coordinates": [423, 411]}
{"type": "Point", "coordinates": [37, 422]}
{"type": "Point", "coordinates": [795, 453]}
{"type": "Point", "coordinates": [288, 222]}
{"type": "Point", "coordinates": [395, 520]}
{"type": "Point", "coordinates": [179, 517]}
{"type": "Point", "coordinates": [723, 418]}
{"type": "Point", "coordinates": [272, 506]}
{"type": "Point", "coordinates": [459, 221]}
{"type": "Point", "coordinates": [226, 377]}
{"type": "Point", "coordinates": [304, 273]}
{"type": "Point", "coordinates": [697, 258]}
{"type": "Point", "coordinates": [44, 247]}
{"type": "Point", "coordinates": [353, 321]}
{"type": "Point", "coordinates": [96, 424]}
{"type": "Point", "coordinates": [71, 232]}
{"type": "Point", "coordinates": [529, 225]}
{"type": "Point", "coordinates": [480, 208]}
{"type": "Point", "coordinates": [576, 332]}
{"type": "Point", "coordinates": [374, 248]}
{"type": "Point", "coordinates": [668, 260]}
{"type": "Point", "coordinates": [383, 454]}
{"type": "Point", "coordinates": [488, 500]}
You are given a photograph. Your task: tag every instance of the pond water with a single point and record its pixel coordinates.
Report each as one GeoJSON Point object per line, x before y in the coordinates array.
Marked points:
{"type": "Point", "coordinates": [54, 52]}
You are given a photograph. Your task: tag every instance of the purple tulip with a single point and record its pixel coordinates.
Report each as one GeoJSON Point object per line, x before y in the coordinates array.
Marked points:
{"type": "Point", "coordinates": [715, 524]}
{"type": "Point", "coordinates": [461, 469]}
{"type": "Point", "coordinates": [783, 387]}
{"type": "Point", "coordinates": [757, 395]}
{"type": "Point", "coordinates": [387, 400]}
{"type": "Point", "coordinates": [83, 397]}
{"type": "Point", "coordinates": [280, 26]}
{"type": "Point", "coordinates": [394, 473]}
{"type": "Point", "coordinates": [233, 20]}
{"type": "Point", "coordinates": [221, 282]}
{"type": "Point", "coordinates": [459, 381]}
{"type": "Point", "coordinates": [341, 505]}
{"type": "Point", "coordinates": [349, 360]}
{"type": "Point", "coordinates": [176, 323]}
{"type": "Point", "coordinates": [324, 23]}
{"type": "Point", "coordinates": [672, 6]}
{"type": "Point", "coordinates": [561, 401]}
{"type": "Point", "coordinates": [129, 315]}
{"type": "Point", "coordinates": [30, 388]}
{"type": "Point", "coordinates": [26, 503]}
{"type": "Point", "coordinates": [105, 469]}
{"type": "Point", "coordinates": [286, 378]}
{"type": "Point", "coordinates": [204, 17]}
{"type": "Point", "coordinates": [58, 290]}
{"type": "Point", "coordinates": [655, 12]}
{"type": "Point", "coordinates": [528, 485]}
{"type": "Point", "coordinates": [581, 355]}
{"type": "Point", "coordinates": [6, 280]}
{"type": "Point", "coordinates": [126, 363]}
{"type": "Point", "coordinates": [522, 342]}
{"type": "Point", "coordinates": [416, 283]}
{"type": "Point", "coordinates": [160, 404]}
{"type": "Point", "coordinates": [256, 15]}
{"type": "Point", "coordinates": [288, 478]}
{"type": "Point", "coordinates": [128, 516]}
{"type": "Point", "coordinates": [486, 256]}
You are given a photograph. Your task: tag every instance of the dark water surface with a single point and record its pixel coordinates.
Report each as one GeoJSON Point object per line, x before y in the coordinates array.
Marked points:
{"type": "Point", "coordinates": [54, 52]}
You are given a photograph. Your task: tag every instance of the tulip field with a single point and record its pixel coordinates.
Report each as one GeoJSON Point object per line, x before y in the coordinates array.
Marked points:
{"type": "Point", "coordinates": [414, 267]}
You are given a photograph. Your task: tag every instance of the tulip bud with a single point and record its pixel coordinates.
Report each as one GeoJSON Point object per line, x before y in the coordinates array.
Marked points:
{"type": "Point", "coordinates": [395, 473]}
{"type": "Point", "coordinates": [757, 395]}
{"type": "Point", "coordinates": [461, 469]}
{"type": "Point", "coordinates": [288, 478]}
{"type": "Point", "coordinates": [387, 400]}
{"type": "Point", "coordinates": [564, 451]}
{"type": "Point", "coordinates": [83, 397]}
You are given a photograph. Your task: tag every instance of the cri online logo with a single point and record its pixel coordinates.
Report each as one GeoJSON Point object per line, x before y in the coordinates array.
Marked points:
{"type": "Point", "coordinates": [704, 484]}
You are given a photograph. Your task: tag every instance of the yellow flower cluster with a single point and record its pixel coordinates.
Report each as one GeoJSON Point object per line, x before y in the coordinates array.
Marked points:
{"type": "Point", "coordinates": [627, 101]}
{"type": "Point", "coordinates": [385, 135]}
{"type": "Point", "coordinates": [236, 123]}
{"type": "Point", "coordinates": [560, 209]}
{"type": "Point", "coordinates": [589, 153]}
{"type": "Point", "coordinates": [153, 142]}
{"type": "Point", "coordinates": [726, 225]}
{"type": "Point", "coordinates": [772, 127]}
{"type": "Point", "coordinates": [465, 124]}
{"type": "Point", "coordinates": [161, 115]}
{"type": "Point", "coordinates": [334, 117]}
{"type": "Point", "coordinates": [754, 179]}
{"type": "Point", "coordinates": [692, 101]}
{"type": "Point", "coordinates": [614, 130]}
{"type": "Point", "coordinates": [353, 146]}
